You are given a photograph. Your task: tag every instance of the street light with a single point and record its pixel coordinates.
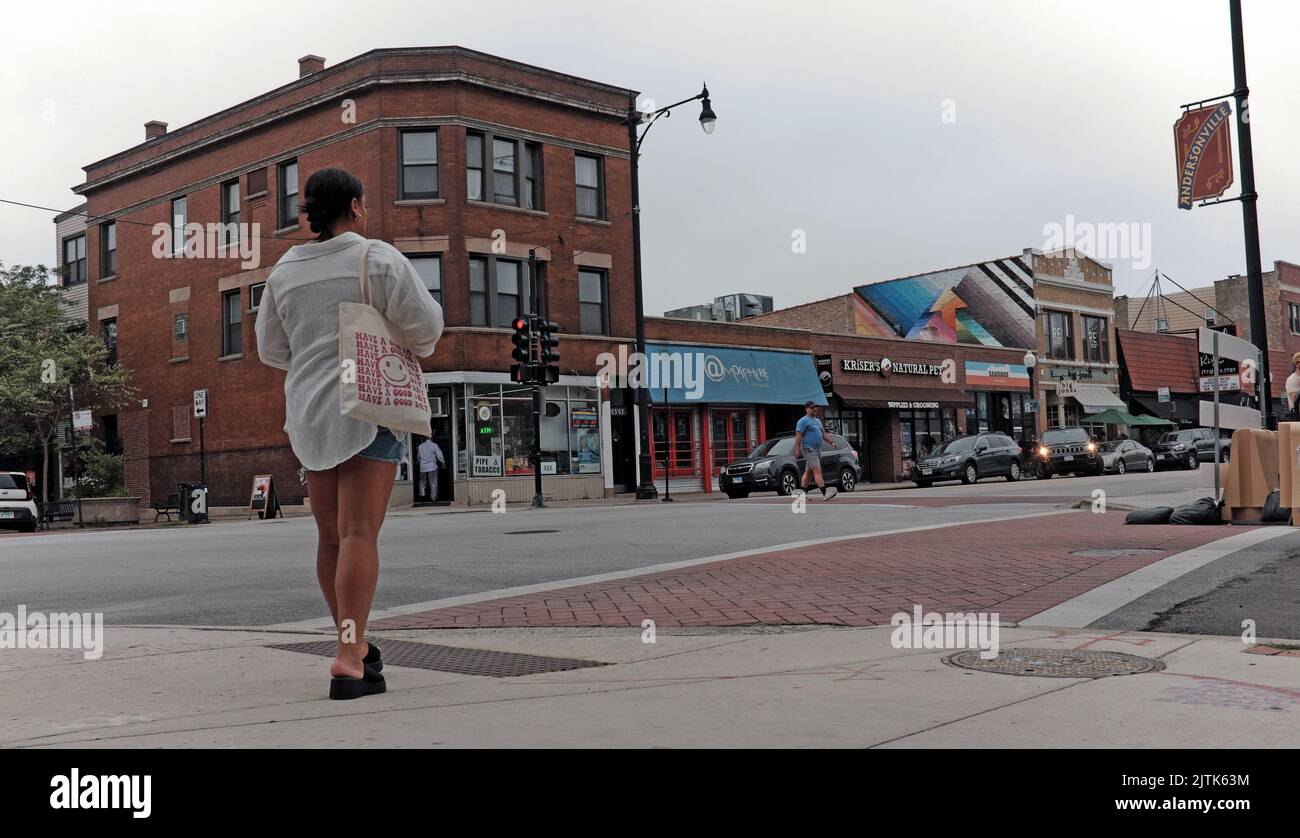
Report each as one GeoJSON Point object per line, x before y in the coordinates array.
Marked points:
{"type": "Point", "coordinates": [1031, 361]}
{"type": "Point", "coordinates": [645, 489]}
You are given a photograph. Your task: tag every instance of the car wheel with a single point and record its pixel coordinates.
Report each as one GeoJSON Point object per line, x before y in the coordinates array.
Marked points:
{"type": "Point", "coordinates": [789, 483]}
{"type": "Point", "coordinates": [848, 480]}
{"type": "Point", "coordinates": [734, 495]}
{"type": "Point", "coordinates": [1193, 461]}
{"type": "Point", "coordinates": [1151, 465]}
{"type": "Point", "coordinates": [1223, 455]}
{"type": "Point", "coordinates": [1013, 474]}
{"type": "Point", "coordinates": [1121, 468]}
{"type": "Point", "coordinates": [1042, 473]}
{"type": "Point", "coordinates": [970, 474]}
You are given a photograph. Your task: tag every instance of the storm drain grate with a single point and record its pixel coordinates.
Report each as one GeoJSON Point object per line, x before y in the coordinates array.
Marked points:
{"type": "Point", "coordinates": [1056, 663]}
{"type": "Point", "coordinates": [486, 662]}
{"type": "Point", "coordinates": [1117, 552]}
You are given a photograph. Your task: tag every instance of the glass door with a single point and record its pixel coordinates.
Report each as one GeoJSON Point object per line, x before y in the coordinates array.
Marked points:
{"type": "Point", "coordinates": [730, 440]}
{"type": "Point", "coordinates": [673, 443]}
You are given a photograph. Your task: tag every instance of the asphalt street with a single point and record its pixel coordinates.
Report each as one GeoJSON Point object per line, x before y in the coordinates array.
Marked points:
{"type": "Point", "coordinates": [261, 573]}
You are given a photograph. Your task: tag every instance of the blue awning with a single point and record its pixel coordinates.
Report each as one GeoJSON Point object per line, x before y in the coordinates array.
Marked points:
{"type": "Point", "coordinates": [717, 374]}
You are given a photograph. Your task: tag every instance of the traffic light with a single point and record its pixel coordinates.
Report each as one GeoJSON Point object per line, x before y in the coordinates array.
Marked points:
{"type": "Point", "coordinates": [523, 352]}
{"type": "Point", "coordinates": [547, 354]}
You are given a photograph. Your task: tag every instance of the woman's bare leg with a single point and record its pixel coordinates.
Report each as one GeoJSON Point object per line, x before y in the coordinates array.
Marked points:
{"type": "Point", "coordinates": [323, 489]}
{"type": "Point", "coordinates": [364, 487]}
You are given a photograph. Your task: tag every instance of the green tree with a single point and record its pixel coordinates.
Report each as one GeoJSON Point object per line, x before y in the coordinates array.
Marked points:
{"type": "Point", "coordinates": [42, 353]}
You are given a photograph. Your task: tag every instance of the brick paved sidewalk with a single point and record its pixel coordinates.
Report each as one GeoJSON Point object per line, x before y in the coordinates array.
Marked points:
{"type": "Point", "coordinates": [1014, 568]}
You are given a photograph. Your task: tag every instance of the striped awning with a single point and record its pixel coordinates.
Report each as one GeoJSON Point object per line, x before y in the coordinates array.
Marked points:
{"type": "Point", "coordinates": [1097, 397]}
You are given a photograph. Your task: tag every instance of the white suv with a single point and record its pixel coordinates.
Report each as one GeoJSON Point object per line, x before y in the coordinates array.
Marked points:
{"type": "Point", "coordinates": [17, 508]}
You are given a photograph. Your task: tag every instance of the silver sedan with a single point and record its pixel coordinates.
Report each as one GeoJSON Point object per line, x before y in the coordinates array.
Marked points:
{"type": "Point", "coordinates": [1124, 455]}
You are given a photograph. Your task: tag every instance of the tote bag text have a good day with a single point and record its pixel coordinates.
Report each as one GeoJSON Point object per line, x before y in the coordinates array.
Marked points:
{"type": "Point", "coordinates": [381, 381]}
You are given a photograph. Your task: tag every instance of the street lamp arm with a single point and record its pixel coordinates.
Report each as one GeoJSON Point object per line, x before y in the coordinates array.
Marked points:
{"type": "Point", "coordinates": [637, 117]}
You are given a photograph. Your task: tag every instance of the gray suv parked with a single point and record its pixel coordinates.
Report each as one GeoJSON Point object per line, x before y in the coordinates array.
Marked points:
{"type": "Point", "coordinates": [772, 466]}
{"type": "Point", "coordinates": [970, 458]}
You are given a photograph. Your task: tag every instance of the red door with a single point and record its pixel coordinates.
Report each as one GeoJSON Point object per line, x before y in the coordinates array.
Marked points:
{"type": "Point", "coordinates": [673, 443]}
{"type": "Point", "coordinates": [730, 436]}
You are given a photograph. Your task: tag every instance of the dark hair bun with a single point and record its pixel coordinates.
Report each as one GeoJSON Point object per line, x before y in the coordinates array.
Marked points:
{"type": "Point", "coordinates": [327, 198]}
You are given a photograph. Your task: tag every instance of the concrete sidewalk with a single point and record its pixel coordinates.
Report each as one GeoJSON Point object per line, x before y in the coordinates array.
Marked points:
{"type": "Point", "coordinates": [784, 687]}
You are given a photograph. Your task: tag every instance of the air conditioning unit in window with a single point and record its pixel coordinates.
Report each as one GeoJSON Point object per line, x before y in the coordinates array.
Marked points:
{"type": "Point", "coordinates": [435, 407]}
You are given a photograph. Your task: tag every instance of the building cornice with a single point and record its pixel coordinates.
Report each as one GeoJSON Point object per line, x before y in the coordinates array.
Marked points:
{"type": "Point", "coordinates": [331, 97]}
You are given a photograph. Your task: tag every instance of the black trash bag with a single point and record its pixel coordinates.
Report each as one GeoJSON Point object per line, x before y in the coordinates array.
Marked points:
{"type": "Point", "coordinates": [1274, 511]}
{"type": "Point", "coordinates": [1203, 511]}
{"type": "Point", "coordinates": [1158, 515]}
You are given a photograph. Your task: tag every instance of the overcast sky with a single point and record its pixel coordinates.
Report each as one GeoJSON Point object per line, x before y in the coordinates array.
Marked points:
{"type": "Point", "coordinates": [899, 136]}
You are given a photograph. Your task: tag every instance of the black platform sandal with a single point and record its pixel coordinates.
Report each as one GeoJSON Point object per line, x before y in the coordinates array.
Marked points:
{"type": "Point", "coordinates": [344, 687]}
{"type": "Point", "coordinates": [373, 659]}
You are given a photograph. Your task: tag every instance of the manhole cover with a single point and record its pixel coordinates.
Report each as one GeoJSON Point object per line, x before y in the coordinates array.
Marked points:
{"type": "Point", "coordinates": [1119, 551]}
{"type": "Point", "coordinates": [1056, 663]}
{"type": "Point", "coordinates": [461, 661]}
{"type": "Point", "coordinates": [528, 532]}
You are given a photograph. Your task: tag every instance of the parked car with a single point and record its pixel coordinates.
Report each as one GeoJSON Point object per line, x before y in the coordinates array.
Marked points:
{"type": "Point", "coordinates": [17, 506]}
{"type": "Point", "coordinates": [1124, 455]}
{"type": "Point", "coordinates": [1189, 448]}
{"type": "Point", "coordinates": [1067, 451]}
{"type": "Point", "coordinates": [772, 466]}
{"type": "Point", "coordinates": [970, 458]}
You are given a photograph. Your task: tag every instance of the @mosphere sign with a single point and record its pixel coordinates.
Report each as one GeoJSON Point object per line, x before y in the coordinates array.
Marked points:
{"type": "Point", "coordinates": [1203, 151]}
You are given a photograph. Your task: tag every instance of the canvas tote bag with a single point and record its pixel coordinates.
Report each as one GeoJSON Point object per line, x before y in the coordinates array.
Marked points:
{"type": "Point", "coordinates": [380, 379]}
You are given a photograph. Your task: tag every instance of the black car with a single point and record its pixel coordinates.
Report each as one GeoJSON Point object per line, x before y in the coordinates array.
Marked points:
{"type": "Point", "coordinates": [1189, 448]}
{"type": "Point", "coordinates": [1067, 451]}
{"type": "Point", "coordinates": [772, 466]}
{"type": "Point", "coordinates": [1120, 456]}
{"type": "Point", "coordinates": [968, 459]}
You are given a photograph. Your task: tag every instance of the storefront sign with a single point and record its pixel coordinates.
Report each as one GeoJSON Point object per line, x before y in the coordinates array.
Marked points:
{"type": "Point", "coordinates": [912, 405]}
{"type": "Point", "coordinates": [997, 376]}
{"type": "Point", "coordinates": [487, 465]}
{"type": "Point", "coordinates": [825, 366]}
{"type": "Point", "coordinates": [886, 366]}
{"type": "Point", "coordinates": [584, 419]}
{"type": "Point", "coordinates": [1227, 366]}
{"type": "Point", "coordinates": [1227, 383]}
{"type": "Point", "coordinates": [741, 376]}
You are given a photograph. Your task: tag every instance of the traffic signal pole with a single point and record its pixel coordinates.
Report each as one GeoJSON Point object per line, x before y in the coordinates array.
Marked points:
{"type": "Point", "coordinates": [539, 301]}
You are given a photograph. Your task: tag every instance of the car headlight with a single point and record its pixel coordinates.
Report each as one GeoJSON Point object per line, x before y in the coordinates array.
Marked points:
{"type": "Point", "coordinates": [1044, 451]}
{"type": "Point", "coordinates": [1178, 446]}
{"type": "Point", "coordinates": [1090, 447]}
{"type": "Point", "coordinates": [947, 461]}
{"type": "Point", "coordinates": [762, 464]}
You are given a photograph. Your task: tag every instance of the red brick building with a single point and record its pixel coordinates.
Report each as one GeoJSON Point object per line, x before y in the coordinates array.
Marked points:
{"type": "Point", "coordinates": [469, 162]}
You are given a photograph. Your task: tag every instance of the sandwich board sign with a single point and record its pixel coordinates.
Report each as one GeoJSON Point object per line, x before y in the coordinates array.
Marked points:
{"type": "Point", "coordinates": [263, 499]}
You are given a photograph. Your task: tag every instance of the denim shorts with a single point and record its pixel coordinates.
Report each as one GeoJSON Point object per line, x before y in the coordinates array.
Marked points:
{"type": "Point", "coordinates": [386, 448]}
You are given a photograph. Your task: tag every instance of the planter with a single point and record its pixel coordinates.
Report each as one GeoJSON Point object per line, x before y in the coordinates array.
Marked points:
{"type": "Point", "coordinates": [108, 510]}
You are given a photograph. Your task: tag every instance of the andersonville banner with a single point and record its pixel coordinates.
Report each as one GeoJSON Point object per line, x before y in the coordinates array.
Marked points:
{"type": "Point", "coordinates": [1203, 148]}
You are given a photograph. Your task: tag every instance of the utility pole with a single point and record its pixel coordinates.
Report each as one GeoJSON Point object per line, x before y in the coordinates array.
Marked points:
{"type": "Point", "coordinates": [1250, 215]}
{"type": "Point", "coordinates": [538, 301]}
{"type": "Point", "coordinates": [76, 474]}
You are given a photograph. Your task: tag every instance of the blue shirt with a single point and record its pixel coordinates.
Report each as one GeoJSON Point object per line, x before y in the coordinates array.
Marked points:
{"type": "Point", "coordinates": [812, 432]}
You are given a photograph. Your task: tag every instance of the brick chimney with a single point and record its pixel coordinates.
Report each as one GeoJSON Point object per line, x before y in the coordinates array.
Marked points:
{"type": "Point", "coordinates": [309, 64]}
{"type": "Point", "coordinates": [154, 128]}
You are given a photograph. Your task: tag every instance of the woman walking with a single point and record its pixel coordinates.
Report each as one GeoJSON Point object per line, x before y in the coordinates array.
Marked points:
{"type": "Point", "coordinates": [350, 463]}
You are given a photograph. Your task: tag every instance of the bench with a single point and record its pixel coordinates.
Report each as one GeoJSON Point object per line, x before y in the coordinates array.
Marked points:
{"type": "Point", "coordinates": [166, 507]}
{"type": "Point", "coordinates": [59, 510]}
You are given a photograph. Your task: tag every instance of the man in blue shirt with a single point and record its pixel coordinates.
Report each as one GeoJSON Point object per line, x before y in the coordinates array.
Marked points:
{"type": "Point", "coordinates": [808, 447]}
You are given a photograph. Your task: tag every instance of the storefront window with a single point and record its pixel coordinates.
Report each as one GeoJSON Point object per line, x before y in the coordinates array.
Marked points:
{"type": "Point", "coordinates": [517, 429]}
{"type": "Point", "coordinates": [485, 430]}
{"type": "Point", "coordinates": [500, 423]}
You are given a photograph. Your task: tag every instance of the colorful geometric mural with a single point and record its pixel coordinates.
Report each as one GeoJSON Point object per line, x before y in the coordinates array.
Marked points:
{"type": "Point", "coordinates": [989, 304]}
